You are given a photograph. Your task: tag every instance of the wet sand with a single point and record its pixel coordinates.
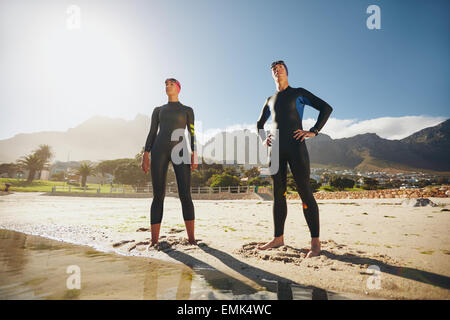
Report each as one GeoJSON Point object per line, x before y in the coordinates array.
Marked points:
{"type": "Point", "coordinates": [36, 268]}
{"type": "Point", "coordinates": [409, 246]}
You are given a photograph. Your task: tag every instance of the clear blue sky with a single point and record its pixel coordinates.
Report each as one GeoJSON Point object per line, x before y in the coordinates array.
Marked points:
{"type": "Point", "coordinates": [52, 78]}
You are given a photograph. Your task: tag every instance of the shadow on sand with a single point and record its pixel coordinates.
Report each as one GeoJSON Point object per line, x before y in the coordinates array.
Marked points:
{"type": "Point", "coordinates": [404, 272]}
{"type": "Point", "coordinates": [282, 286]}
{"type": "Point", "coordinates": [219, 280]}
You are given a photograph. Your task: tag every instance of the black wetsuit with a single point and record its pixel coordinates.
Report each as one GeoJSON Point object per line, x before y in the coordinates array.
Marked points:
{"type": "Point", "coordinates": [169, 117]}
{"type": "Point", "coordinates": [286, 108]}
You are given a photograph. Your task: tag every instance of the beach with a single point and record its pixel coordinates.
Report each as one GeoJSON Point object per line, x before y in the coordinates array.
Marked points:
{"type": "Point", "coordinates": [408, 247]}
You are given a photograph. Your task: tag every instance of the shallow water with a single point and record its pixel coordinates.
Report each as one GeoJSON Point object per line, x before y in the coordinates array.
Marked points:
{"type": "Point", "coordinates": [33, 267]}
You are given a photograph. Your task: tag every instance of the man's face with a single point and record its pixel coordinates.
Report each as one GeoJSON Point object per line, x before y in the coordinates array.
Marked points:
{"type": "Point", "coordinates": [279, 71]}
{"type": "Point", "coordinates": [171, 88]}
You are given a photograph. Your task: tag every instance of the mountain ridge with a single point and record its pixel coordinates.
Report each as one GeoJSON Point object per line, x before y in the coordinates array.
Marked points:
{"type": "Point", "coordinates": [103, 138]}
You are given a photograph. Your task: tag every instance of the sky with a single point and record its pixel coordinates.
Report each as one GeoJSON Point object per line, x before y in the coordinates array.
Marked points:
{"type": "Point", "coordinates": [60, 67]}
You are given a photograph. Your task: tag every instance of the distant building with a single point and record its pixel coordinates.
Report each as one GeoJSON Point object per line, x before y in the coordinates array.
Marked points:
{"type": "Point", "coordinates": [45, 174]}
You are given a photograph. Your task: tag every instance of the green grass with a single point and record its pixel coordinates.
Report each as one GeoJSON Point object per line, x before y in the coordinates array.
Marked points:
{"type": "Point", "coordinates": [333, 189]}
{"type": "Point", "coordinates": [327, 188]}
{"type": "Point", "coordinates": [21, 185]}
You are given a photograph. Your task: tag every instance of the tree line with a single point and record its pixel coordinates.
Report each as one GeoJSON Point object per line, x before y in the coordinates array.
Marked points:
{"type": "Point", "coordinates": [128, 171]}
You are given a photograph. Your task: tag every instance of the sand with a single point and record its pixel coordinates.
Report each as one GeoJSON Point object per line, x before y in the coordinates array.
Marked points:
{"type": "Point", "coordinates": [410, 246]}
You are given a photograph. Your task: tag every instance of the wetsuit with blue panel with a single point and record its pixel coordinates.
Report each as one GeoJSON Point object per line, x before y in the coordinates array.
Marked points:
{"type": "Point", "coordinates": [286, 108]}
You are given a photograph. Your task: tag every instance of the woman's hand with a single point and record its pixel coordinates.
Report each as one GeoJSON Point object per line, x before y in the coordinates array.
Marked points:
{"type": "Point", "coordinates": [145, 165]}
{"type": "Point", "coordinates": [194, 160]}
{"type": "Point", "coordinates": [268, 141]}
{"type": "Point", "coordinates": [302, 134]}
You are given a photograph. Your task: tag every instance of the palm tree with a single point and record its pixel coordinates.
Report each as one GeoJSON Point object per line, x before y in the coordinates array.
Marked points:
{"type": "Point", "coordinates": [32, 163]}
{"type": "Point", "coordinates": [44, 152]}
{"type": "Point", "coordinates": [86, 169]}
{"type": "Point", "coordinates": [140, 155]}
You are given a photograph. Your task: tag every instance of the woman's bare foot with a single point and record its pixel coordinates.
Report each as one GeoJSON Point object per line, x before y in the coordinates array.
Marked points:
{"type": "Point", "coordinates": [315, 248]}
{"type": "Point", "coordinates": [275, 243]}
{"type": "Point", "coordinates": [155, 234]}
{"type": "Point", "coordinates": [153, 243]}
{"type": "Point", "coordinates": [190, 231]}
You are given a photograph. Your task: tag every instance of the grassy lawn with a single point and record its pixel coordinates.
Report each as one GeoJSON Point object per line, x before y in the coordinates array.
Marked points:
{"type": "Point", "coordinates": [21, 185]}
{"type": "Point", "coordinates": [333, 189]}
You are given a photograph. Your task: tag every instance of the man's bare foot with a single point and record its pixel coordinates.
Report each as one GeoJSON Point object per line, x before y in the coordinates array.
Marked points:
{"type": "Point", "coordinates": [275, 243]}
{"type": "Point", "coordinates": [193, 242]}
{"type": "Point", "coordinates": [315, 248]}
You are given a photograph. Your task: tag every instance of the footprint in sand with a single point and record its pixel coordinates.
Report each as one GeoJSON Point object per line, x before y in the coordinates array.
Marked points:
{"type": "Point", "coordinates": [168, 244]}
{"type": "Point", "coordinates": [173, 230]}
{"type": "Point", "coordinates": [284, 254]}
{"type": "Point", "coordinates": [142, 243]}
{"type": "Point", "coordinates": [334, 256]}
{"type": "Point", "coordinates": [121, 243]}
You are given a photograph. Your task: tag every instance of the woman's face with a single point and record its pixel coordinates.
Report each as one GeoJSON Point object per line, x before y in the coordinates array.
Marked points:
{"type": "Point", "coordinates": [171, 88]}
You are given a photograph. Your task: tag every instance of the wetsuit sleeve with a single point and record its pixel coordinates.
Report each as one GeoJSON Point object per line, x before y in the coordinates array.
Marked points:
{"type": "Point", "coordinates": [324, 108]}
{"type": "Point", "coordinates": [153, 130]}
{"type": "Point", "coordinates": [191, 129]}
{"type": "Point", "coordinates": [265, 114]}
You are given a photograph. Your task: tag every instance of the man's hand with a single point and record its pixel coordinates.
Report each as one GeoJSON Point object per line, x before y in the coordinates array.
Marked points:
{"type": "Point", "coordinates": [268, 141]}
{"type": "Point", "coordinates": [302, 134]}
{"type": "Point", "coordinates": [194, 160]}
{"type": "Point", "coordinates": [145, 162]}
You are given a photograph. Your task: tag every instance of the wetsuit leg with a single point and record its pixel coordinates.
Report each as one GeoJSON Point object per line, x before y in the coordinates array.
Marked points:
{"type": "Point", "coordinates": [279, 197]}
{"type": "Point", "coordinates": [183, 175]}
{"type": "Point", "coordinates": [299, 164]}
{"type": "Point", "coordinates": [159, 165]}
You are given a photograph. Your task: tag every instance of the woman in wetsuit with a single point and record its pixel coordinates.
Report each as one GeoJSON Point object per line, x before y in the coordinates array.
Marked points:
{"type": "Point", "coordinates": [286, 107]}
{"type": "Point", "coordinates": [168, 118]}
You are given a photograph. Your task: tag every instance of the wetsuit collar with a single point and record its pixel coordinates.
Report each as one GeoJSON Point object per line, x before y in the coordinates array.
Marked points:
{"type": "Point", "coordinates": [288, 87]}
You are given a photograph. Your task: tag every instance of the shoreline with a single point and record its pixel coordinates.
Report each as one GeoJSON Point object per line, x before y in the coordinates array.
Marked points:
{"type": "Point", "coordinates": [226, 230]}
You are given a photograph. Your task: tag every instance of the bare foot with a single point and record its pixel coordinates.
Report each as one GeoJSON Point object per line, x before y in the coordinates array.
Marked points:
{"type": "Point", "coordinates": [315, 248]}
{"type": "Point", "coordinates": [193, 242]}
{"type": "Point", "coordinates": [275, 243]}
{"type": "Point", "coordinates": [152, 245]}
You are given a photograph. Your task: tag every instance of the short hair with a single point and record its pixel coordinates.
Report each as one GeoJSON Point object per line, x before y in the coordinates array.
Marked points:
{"type": "Point", "coordinates": [273, 64]}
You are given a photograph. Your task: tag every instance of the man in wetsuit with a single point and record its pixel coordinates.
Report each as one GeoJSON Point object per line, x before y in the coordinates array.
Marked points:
{"type": "Point", "coordinates": [168, 118]}
{"type": "Point", "coordinates": [286, 107]}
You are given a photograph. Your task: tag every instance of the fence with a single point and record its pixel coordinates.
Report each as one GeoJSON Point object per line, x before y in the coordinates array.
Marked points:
{"type": "Point", "coordinates": [169, 189]}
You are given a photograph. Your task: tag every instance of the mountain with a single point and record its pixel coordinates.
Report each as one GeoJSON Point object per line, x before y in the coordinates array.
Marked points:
{"type": "Point", "coordinates": [103, 138]}
{"type": "Point", "coordinates": [99, 138]}
{"type": "Point", "coordinates": [426, 149]}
